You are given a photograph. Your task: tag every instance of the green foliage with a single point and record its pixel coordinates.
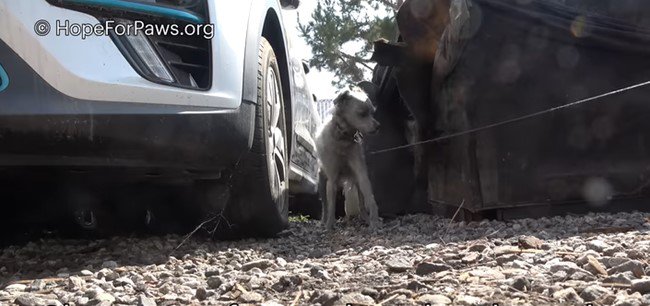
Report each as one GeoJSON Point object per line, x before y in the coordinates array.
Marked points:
{"type": "Point", "coordinates": [341, 34]}
{"type": "Point", "coordinates": [298, 219]}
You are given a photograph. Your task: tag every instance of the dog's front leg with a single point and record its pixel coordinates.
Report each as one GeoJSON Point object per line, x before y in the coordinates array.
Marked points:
{"type": "Point", "coordinates": [322, 192]}
{"type": "Point", "coordinates": [369, 200]}
{"type": "Point", "coordinates": [330, 216]}
{"type": "Point", "coordinates": [358, 165]}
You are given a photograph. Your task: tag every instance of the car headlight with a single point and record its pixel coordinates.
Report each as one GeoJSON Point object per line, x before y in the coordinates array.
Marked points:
{"type": "Point", "coordinates": [146, 53]}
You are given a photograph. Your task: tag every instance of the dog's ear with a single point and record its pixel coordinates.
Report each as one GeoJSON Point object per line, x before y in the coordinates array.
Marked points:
{"type": "Point", "coordinates": [342, 97]}
{"type": "Point", "coordinates": [370, 89]}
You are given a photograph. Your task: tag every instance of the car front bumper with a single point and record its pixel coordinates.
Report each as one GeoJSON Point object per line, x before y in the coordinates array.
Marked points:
{"type": "Point", "coordinates": [40, 126]}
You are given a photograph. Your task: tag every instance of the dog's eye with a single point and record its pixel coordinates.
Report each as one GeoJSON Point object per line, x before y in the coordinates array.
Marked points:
{"type": "Point", "coordinates": [364, 114]}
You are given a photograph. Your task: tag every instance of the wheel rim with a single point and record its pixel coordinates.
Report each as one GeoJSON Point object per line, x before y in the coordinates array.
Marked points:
{"type": "Point", "coordinates": [276, 141]}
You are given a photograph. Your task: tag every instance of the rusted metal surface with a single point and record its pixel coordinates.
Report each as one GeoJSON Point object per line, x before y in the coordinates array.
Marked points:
{"type": "Point", "coordinates": [497, 60]}
{"type": "Point", "coordinates": [397, 191]}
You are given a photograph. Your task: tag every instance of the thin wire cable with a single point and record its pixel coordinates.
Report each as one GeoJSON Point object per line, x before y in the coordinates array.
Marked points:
{"type": "Point", "coordinates": [513, 120]}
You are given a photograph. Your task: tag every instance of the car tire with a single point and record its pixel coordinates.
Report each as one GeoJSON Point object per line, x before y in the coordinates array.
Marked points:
{"type": "Point", "coordinates": [260, 202]}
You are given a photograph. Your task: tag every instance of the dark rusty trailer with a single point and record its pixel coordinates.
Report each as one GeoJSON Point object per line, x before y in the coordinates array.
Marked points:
{"type": "Point", "coordinates": [496, 62]}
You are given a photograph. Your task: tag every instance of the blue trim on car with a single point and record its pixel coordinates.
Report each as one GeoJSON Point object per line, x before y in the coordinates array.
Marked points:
{"type": "Point", "coordinates": [4, 79]}
{"type": "Point", "coordinates": [138, 7]}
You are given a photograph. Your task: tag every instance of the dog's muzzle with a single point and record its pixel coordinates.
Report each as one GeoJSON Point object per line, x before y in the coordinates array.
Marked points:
{"type": "Point", "coordinates": [375, 130]}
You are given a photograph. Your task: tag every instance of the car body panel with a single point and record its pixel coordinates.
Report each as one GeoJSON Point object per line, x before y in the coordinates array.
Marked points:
{"type": "Point", "coordinates": [306, 122]}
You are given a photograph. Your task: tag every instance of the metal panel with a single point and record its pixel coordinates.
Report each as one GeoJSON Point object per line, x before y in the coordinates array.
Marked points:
{"type": "Point", "coordinates": [526, 58]}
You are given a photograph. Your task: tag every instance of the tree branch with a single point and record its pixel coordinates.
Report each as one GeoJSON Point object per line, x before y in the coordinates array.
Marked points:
{"type": "Point", "coordinates": [354, 59]}
{"type": "Point", "coordinates": [389, 3]}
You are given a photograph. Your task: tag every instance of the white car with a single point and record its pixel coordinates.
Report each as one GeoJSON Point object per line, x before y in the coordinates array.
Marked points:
{"type": "Point", "coordinates": [159, 92]}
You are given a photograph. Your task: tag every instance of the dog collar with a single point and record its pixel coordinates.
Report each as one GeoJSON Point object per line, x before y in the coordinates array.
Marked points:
{"type": "Point", "coordinates": [358, 137]}
{"type": "Point", "coordinates": [343, 134]}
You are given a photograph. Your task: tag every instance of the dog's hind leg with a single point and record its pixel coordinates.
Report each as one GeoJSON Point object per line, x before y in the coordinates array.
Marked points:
{"type": "Point", "coordinates": [352, 200]}
{"type": "Point", "coordinates": [365, 216]}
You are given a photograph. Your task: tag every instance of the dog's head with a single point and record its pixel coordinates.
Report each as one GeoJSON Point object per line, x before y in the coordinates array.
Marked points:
{"type": "Point", "coordinates": [356, 109]}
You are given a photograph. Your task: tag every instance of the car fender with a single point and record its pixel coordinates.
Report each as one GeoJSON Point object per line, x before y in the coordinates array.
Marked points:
{"type": "Point", "coordinates": [256, 21]}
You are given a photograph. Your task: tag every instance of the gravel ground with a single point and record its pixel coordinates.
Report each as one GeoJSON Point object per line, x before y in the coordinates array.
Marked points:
{"type": "Point", "coordinates": [413, 260]}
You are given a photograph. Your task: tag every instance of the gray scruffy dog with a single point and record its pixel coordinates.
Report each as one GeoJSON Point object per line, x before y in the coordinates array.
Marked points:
{"type": "Point", "coordinates": [341, 156]}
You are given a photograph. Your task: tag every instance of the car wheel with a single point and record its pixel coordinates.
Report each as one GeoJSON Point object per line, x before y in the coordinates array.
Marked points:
{"type": "Point", "coordinates": [261, 191]}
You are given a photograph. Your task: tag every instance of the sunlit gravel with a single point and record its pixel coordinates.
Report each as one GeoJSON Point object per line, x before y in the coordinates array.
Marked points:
{"type": "Point", "coordinates": [413, 260]}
